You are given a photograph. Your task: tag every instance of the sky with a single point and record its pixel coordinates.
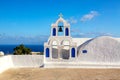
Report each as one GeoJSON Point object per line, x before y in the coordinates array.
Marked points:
{"type": "Point", "coordinates": [29, 21]}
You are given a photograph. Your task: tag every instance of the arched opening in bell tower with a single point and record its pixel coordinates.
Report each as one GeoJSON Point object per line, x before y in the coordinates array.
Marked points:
{"type": "Point", "coordinates": [60, 29]}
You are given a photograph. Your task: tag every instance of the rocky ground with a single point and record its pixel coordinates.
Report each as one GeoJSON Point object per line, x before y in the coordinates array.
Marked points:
{"type": "Point", "coordinates": [60, 74]}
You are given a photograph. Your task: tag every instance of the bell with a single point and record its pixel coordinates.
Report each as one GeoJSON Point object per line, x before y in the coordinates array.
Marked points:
{"type": "Point", "coordinates": [60, 29]}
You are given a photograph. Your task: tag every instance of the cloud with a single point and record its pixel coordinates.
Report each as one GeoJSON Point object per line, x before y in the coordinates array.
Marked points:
{"type": "Point", "coordinates": [72, 20]}
{"type": "Point", "coordinates": [89, 16]}
{"type": "Point", "coordinates": [92, 34]}
{"type": "Point", "coordinates": [85, 17]}
{"type": "Point", "coordinates": [105, 34]}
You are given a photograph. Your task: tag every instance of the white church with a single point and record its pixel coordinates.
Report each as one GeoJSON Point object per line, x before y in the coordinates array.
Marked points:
{"type": "Point", "coordinates": [61, 50]}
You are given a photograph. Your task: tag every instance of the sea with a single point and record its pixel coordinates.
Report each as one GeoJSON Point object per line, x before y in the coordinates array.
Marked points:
{"type": "Point", "coordinates": [8, 49]}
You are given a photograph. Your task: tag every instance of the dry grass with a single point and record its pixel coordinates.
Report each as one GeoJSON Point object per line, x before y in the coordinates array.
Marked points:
{"type": "Point", "coordinates": [60, 74]}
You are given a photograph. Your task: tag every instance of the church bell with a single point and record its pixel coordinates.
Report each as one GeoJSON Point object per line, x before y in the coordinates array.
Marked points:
{"type": "Point", "coordinates": [60, 29]}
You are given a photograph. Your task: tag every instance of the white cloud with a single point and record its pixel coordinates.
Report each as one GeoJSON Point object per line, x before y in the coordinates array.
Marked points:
{"type": "Point", "coordinates": [105, 34]}
{"type": "Point", "coordinates": [89, 16]}
{"type": "Point", "coordinates": [92, 34]}
{"type": "Point", "coordinates": [72, 20]}
{"type": "Point", "coordinates": [98, 34]}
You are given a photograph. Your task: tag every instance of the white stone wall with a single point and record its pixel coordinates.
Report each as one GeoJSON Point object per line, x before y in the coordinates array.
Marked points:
{"type": "Point", "coordinates": [5, 63]}
{"type": "Point", "coordinates": [100, 50]}
{"type": "Point", "coordinates": [27, 60]}
{"type": "Point", "coordinates": [18, 61]}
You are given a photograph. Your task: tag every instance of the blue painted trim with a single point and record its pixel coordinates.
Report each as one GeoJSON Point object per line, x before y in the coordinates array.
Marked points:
{"type": "Point", "coordinates": [54, 32]}
{"type": "Point", "coordinates": [73, 52]}
{"type": "Point", "coordinates": [66, 32]}
{"type": "Point", "coordinates": [47, 52]}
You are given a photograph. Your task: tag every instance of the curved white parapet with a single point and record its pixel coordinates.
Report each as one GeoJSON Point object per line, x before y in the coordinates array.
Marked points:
{"type": "Point", "coordinates": [17, 61]}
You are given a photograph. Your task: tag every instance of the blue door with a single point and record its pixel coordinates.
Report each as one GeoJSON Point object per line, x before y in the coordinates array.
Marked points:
{"type": "Point", "coordinates": [47, 52]}
{"type": "Point", "coordinates": [66, 32]}
{"type": "Point", "coordinates": [54, 32]}
{"type": "Point", "coordinates": [73, 52]}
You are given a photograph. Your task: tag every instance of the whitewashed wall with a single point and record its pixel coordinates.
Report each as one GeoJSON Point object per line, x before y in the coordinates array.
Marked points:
{"type": "Point", "coordinates": [17, 61]}
{"type": "Point", "coordinates": [27, 60]}
{"type": "Point", "coordinates": [5, 63]}
{"type": "Point", "coordinates": [102, 49]}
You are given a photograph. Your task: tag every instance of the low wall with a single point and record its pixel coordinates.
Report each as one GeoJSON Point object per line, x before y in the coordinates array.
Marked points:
{"type": "Point", "coordinates": [27, 60]}
{"type": "Point", "coordinates": [5, 63]}
{"type": "Point", "coordinates": [17, 61]}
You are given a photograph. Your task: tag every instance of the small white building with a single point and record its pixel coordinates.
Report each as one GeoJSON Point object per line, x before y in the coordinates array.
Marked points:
{"type": "Point", "coordinates": [61, 50]}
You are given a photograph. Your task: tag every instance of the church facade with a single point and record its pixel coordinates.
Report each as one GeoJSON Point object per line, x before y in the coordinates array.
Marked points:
{"type": "Point", "coordinates": [60, 45]}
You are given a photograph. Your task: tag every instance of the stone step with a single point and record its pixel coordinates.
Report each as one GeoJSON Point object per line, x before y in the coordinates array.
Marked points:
{"type": "Point", "coordinates": [74, 65]}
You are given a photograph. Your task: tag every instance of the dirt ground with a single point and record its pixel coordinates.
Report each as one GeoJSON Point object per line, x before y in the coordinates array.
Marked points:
{"type": "Point", "coordinates": [60, 74]}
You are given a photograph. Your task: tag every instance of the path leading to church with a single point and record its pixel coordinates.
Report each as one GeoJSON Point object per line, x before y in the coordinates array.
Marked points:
{"type": "Point", "coordinates": [60, 74]}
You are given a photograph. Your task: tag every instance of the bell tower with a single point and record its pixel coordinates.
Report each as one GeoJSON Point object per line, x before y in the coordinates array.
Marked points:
{"type": "Point", "coordinates": [60, 47]}
{"type": "Point", "coordinates": [61, 26]}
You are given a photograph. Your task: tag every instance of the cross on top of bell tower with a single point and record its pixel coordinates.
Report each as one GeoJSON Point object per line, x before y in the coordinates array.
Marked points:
{"type": "Point", "coordinates": [60, 15]}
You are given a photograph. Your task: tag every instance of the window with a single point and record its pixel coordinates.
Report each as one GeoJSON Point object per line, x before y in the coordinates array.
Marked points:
{"type": "Point", "coordinates": [66, 32]}
{"type": "Point", "coordinates": [54, 32]}
{"type": "Point", "coordinates": [84, 51]}
{"type": "Point", "coordinates": [73, 52]}
{"type": "Point", "coordinates": [47, 52]}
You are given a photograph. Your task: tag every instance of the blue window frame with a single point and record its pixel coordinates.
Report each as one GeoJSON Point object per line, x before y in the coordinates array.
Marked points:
{"type": "Point", "coordinates": [54, 32]}
{"type": "Point", "coordinates": [47, 52]}
{"type": "Point", "coordinates": [84, 51]}
{"type": "Point", "coordinates": [66, 32]}
{"type": "Point", "coordinates": [73, 52]}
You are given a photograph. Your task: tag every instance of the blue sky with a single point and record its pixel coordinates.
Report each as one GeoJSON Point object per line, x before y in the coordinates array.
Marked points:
{"type": "Point", "coordinates": [28, 21]}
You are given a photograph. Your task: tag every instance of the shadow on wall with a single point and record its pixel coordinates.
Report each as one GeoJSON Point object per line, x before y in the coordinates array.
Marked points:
{"type": "Point", "coordinates": [82, 45]}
